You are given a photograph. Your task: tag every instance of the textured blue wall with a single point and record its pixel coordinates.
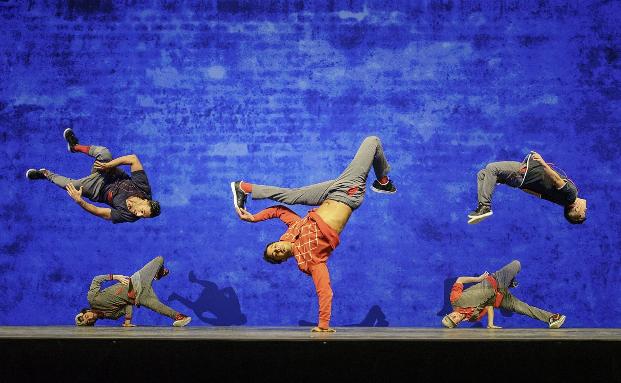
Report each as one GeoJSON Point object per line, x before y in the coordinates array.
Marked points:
{"type": "Point", "coordinates": [207, 92]}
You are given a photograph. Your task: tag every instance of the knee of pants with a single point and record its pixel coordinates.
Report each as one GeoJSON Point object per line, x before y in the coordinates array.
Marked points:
{"type": "Point", "coordinates": [103, 154]}
{"type": "Point", "coordinates": [372, 139]}
{"type": "Point", "coordinates": [516, 264]}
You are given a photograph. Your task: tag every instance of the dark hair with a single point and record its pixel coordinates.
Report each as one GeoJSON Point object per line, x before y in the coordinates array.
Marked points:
{"type": "Point", "coordinates": [155, 208]}
{"type": "Point", "coordinates": [572, 220]}
{"type": "Point", "coordinates": [269, 259]}
{"type": "Point", "coordinates": [81, 320]}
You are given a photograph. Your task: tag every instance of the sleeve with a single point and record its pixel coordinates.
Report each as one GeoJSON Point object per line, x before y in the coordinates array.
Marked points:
{"type": "Point", "coordinates": [96, 285]}
{"type": "Point", "coordinates": [456, 291]}
{"type": "Point", "coordinates": [565, 195]}
{"type": "Point", "coordinates": [282, 212]}
{"type": "Point", "coordinates": [321, 278]}
{"type": "Point", "coordinates": [139, 178]}
{"type": "Point", "coordinates": [120, 216]}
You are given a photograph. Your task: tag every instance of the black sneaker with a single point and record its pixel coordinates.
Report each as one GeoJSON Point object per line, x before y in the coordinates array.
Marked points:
{"type": "Point", "coordinates": [71, 139]}
{"type": "Point", "coordinates": [161, 273]}
{"type": "Point", "coordinates": [479, 214]}
{"type": "Point", "coordinates": [239, 196]}
{"type": "Point", "coordinates": [34, 174]}
{"type": "Point", "coordinates": [513, 284]}
{"type": "Point", "coordinates": [556, 320]}
{"type": "Point", "coordinates": [389, 188]}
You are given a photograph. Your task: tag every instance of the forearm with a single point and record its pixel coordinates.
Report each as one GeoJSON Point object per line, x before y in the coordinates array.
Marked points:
{"type": "Point", "coordinates": [123, 160]}
{"type": "Point", "coordinates": [465, 280]}
{"type": "Point", "coordinates": [556, 179]}
{"type": "Point", "coordinates": [490, 316]}
{"type": "Point", "coordinates": [104, 213]}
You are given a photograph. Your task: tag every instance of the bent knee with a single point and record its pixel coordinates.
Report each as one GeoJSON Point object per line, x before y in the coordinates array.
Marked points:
{"type": "Point", "coordinates": [372, 139]}
{"type": "Point", "coordinates": [515, 263]}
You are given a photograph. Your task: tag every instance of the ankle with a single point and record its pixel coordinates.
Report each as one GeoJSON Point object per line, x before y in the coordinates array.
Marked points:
{"type": "Point", "coordinates": [383, 181]}
{"type": "Point", "coordinates": [245, 187]}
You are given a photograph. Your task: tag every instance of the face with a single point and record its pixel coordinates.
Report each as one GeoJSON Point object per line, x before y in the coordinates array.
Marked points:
{"type": "Point", "coordinates": [280, 250]}
{"type": "Point", "coordinates": [456, 317]}
{"type": "Point", "coordinates": [138, 206]}
{"type": "Point", "coordinates": [580, 208]}
{"type": "Point", "coordinates": [89, 317]}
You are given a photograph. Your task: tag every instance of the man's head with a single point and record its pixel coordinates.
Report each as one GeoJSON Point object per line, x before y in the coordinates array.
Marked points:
{"type": "Point", "coordinates": [142, 207]}
{"type": "Point", "coordinates": [278, 252]}
{"type": "Point", "coordinates": [452, 320]}
{"type": "Point", "coordinates": [85, 317]}
{"type": "Point", "coordinates": [576, 212]}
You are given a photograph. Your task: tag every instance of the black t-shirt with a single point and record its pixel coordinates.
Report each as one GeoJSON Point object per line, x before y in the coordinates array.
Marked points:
{"type": "Point", "coordinates": [536, 180]}
{"type": "Point", "coordinates": [119, 187]}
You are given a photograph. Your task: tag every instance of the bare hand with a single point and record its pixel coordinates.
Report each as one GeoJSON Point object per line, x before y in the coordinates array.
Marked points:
{"type": "Point", "coordinates": [493, 326]}
{"type": "Point", "coordinates": [319, 329]}
{"type": "Point", "coordinates": [123, 279]}
{"type": "Point", "coordinates": [128, 325]}
{"type": "Point", "coordinates": [483, 276]}
{"type": "Point", "coordinates": [102, 166]}
{"type": "Point", "coordinates": [74, 193]}
{"type": "Point", "coordinates": [537, 157]}
{"type": "Point", "coordinates": [244, 215]}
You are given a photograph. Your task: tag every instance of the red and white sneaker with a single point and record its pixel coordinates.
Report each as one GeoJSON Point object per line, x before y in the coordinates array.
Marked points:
{"type": "Point", "coordinates": [181, 320]}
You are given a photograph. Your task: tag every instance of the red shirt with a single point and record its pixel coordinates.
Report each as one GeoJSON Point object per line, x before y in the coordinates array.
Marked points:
{"type": "Point", "coordinates": [313, 241]}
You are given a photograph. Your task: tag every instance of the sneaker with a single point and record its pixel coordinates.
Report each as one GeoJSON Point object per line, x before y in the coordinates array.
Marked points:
{"type": "Point", "coordinates": [181, 320]}
{"type": "Point", "coordinates": [161, 273]}
{"type": "Point", "coordinates": [71, 139]}
{"type": "Point", "coordinates": [239, 196]}
{"type": "Point", "coordinates": [33, 174]}
{"type": "Point", "coordinates": [556, 320]}
{"type": "Point", "coordinates": [389, 188]}
{"type": "Point", "coordinates": [513, 284]}
{"type": "Point", "coordinates": [479, 214]}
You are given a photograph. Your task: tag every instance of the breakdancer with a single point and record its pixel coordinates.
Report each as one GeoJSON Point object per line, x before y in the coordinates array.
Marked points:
{"type": "Point", "coordinates": [129, 197]}
{"type": "Point", "coordinates": [534, 176]}
{"type": "Point", "coordinates": [312, 239]}
{"type": "Point", "coordinates": [120, 298]}
{"type": "Point", "coordinates": [492, 290]}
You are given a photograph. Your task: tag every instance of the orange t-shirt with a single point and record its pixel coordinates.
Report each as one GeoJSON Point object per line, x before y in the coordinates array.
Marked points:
{"type": "Point", "coordinates": [313, 241]}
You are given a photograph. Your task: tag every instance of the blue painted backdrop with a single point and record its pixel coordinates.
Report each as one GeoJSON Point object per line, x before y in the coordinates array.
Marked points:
{"type": "Point", "coordinates": [283, 92]}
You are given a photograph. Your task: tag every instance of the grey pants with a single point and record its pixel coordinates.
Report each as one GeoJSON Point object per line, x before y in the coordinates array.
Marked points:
{"type": "Point", "coordinates": [348, 188]}
{"type": "Point", "coordinates": [504, 276]}
{"type": "Point", "coordinates": [145, 296]}
{"type": "Point", "coordinates": [504, 172]}
{"type": "Point", "coordinates": [91, 185]}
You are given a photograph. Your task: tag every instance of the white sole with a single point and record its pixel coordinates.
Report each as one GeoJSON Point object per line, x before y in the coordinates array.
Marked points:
{"type": "Point", "coordinates": [182, 322]}
{"type": "Point", "coordinates": [559, 323]}
{"type": "Point", "coordinates": [234, 195]}
{"type": "Point", "coordinates": [479, 218]}
{"type": "Point", "coordinates": [382, 191]}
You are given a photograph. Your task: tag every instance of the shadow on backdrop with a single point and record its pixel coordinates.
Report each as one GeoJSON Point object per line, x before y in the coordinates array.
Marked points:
{"type": "Point", "coordinates": [447, 308]}
{"type": "Point", "coordinates": [222, 304]}
{"type": "Point", "coordinates": [374, 318]}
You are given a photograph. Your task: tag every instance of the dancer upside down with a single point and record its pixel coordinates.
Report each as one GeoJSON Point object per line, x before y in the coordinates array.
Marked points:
{"type": "Point", "coordinates": [119, 299]}
{"type": "Point", "coordinates": [490, 291]}
{"type": "Point", "coordinates": [534, 176]}
{"type": "Point", "coordinates": [311, 239]}
{"type": "Point", "coordinates": [129, 197]}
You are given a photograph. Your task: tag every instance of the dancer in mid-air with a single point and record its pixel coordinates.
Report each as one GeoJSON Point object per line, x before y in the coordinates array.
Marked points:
{"type": "Point", "coordinates": [119, 299]}
{"type": "Point", "coordinates": [311, 239]}
{"type": "Point", "coordinates": [534, 176]}
{"type": "Point", "coordinates": [129, 197]}
{"type": "Point", "coordinates": [490, 291]}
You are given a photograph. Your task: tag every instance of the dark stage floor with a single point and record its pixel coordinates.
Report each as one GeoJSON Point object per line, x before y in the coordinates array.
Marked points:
{"type": "Point", "coordinates": [295, 354]}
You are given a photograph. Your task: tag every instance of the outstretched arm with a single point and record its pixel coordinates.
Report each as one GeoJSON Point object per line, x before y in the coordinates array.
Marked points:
{"type": "Point", "coordinates": [556, 179]}
{"type": "Point", "coordinates": [478, 279]}
{"type": "Point", "coordinates": [281, 212]}
{"type": "Point", "coordinates": [76, 195]}
{"type": "Point", "coordinates": [490, 317]}
{"type": "Point", "coordinates": [131, 160]}
{"type": "Point", "coordinates": [321, 278]}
